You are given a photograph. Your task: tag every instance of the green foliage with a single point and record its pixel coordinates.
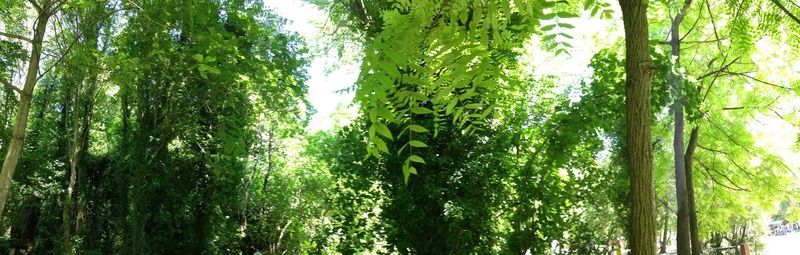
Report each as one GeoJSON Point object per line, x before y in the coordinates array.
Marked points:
{"type": "Point", "coordinates": [460, 52]}
{"type": "Point", "coordinates": [191, 122]}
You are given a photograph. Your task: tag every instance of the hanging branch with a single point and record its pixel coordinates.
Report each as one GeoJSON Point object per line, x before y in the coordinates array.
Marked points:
{"type": "Point", "coordinates": [786, 11]}
{"type": "Point", "coordinates": [730, 137]}
{"type": "Point", "coordinates": [720, 70]}
{"type": "Point", "coordinates": [755, 79]}
{"type": "Point", "coordinates": [711, 176]}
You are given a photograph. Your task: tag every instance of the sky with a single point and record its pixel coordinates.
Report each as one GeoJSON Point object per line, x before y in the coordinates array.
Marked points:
{"type": "Point", "coordinates": [324, 80]}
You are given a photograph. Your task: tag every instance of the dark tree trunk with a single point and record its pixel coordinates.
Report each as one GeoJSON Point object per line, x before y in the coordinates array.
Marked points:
{"type": "Point", "coordinates": [676, 82]}
{"type": "Point", "coordinates": [639, 70]}
{"type": "Point", "coordinates": [697, 246]}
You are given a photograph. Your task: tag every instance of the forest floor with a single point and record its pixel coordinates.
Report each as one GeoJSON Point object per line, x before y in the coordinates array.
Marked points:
{"type": "Point", "coordinates": [782, 245]}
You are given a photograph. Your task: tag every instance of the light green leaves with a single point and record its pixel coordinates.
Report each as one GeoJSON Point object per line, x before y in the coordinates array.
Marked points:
{"type": "Point", "coordinates": [418, 144]}
{"type": "Point", "coordinates": [415, 158]}
{"type": "Point", "coordinates": [421, 110]}
{"type": "Point", "coordinates": [417, 66]}
{"type": "Point", "coordinates": [418, 128]}
{"type": "Point", "coordinates": [409, 169]}
{"type": "Point", "coordinates": [381, 129]}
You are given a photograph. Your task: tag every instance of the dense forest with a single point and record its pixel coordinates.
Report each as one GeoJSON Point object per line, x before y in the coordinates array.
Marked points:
{"type": "Point", "coordinates": [182, 127]}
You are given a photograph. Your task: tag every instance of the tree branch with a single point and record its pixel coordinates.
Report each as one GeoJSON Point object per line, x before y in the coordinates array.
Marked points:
{"type": "Point", "coordinates": [705, 41]}
{"type": "Point", "coordinates": [756, 79]}
{"type": "Point", "coordinates": [71, 44]}
{"type": "Point", "coordinates": [8, 84]}
{"type": "Point", "coordinates": [711, 176]}
{"type": "Point", "coordinates": [730, 138]}
{"type": "Point", "coordinates": [16, 36]}
{"type": "Point", "coordinates": [35, 5]}
{"type": "Point", "coordinates": [788, 13]}
{"type": "Point", "coordinates": [711, 150]}
{"type": "Point", "coordinates": [733, 108]}
{"type": "Point", "coordinates": [720, 70]}
{"type": "Point", "coordinates": [682, 14]}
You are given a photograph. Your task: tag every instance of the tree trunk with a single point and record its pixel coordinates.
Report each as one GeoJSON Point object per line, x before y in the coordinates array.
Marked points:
{"type": "Point", "coordinates": [18, 137]}
{"type": "Point", "coordinates": [639, 71]}
{"type": "Point", "coordinates": [265, 188]}
{"type": "Point", "coordinates": [82, 105]}
{"type": "Point", "coordinates": [68, 204]}
{"type": "Point", "coordinates": [676, 82]}
{"type": "Point", "coordinates": [697, 246]}
{"type": "Point", "coordinates": [664, 231]}
{"type": "Point", "coordinates": [74, 149]}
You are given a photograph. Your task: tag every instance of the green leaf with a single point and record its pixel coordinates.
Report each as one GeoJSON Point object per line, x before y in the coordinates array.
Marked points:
{"type": "Point", "coordinates": [588, 4]}
{"type": "Point", "coordinates": [407, 171]}
{"type": "Point", "coordinates": [567, 15]}
{"type": "Point", "coordinates": [380, 144]}
{"type": "Point", "coordinates": [372, 130]}
{"type": "Point", "coordinates": [412, 170]}
{"type": "Point", "coordinates": [383, 130]}
{"type": "Point", "coordinates": [473, 106]}
{"type": "Point", "coordinates": [451, 106]}
{"type": "Point", "coordinates": [418, 144]}
{"type": "Point", "coordinates": [421, 110]}
{"type": "Point", "coordinates": [548, 27]}
{"type": "Point", "coordinates": [419, 96]}
{"type": "Point", "coordinates": [384, 112]}
{"type": "Point", "coordinates": [418, 128]}
{"type": "Point", "coordinates": [566, 25]}
{"type": "Point", "coordinates": [415, 158]}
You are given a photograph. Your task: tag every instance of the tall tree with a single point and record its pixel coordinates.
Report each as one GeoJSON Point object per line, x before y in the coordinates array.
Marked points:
{"type": "Point", "coordinates": [638, 74]}
{"type": "Point", "coordinates": [676, 83]}
{"type": "Point", "coordinates": [80, 76]}
{"type": "Point", "coordinates": [691, 206]}
{"type": "Point", "coordinates": [43, 10]}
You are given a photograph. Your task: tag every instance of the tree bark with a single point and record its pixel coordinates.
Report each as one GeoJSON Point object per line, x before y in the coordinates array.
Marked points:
{"type": "Point", "coordinates": [265, 188]}
{"type": "Point", "coordinates": [697, 246]}
{"type": "Point", "coordinates": [72, 155]}
{"type": "Point", "coordinates": [663, 243]}
{"type": "Point", "coordinates": [638, 73]}
{"type": "Point", "coordinates": [676, 83]}
{"type": "Point", "coordinates": [18, 137]}
{"type": "Point", "coordinates": [78, 145]}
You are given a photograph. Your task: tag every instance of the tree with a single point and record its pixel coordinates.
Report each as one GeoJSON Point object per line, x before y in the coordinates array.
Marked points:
{"type": "Point", "coordinates": [676, 82]}
{"type": "Point", "coordinates": [638, 74]}
{"type": "Point", "coordinates": [43, 10]}
{"type": "Point", "coordinates": [82, 85]}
